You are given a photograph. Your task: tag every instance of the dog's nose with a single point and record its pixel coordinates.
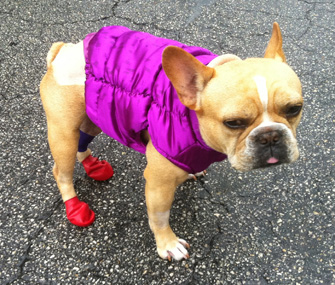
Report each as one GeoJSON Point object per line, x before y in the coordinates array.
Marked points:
{"type": "Point", "coordinates": [270, 138]}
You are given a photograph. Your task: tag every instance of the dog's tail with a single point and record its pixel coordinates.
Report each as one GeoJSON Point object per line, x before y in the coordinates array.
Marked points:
{"type": "Point", "coordinates": [53, 52]}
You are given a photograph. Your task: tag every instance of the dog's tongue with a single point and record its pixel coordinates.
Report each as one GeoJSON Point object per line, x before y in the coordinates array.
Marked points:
{"type": "Point", "coordinates": [272, 160]}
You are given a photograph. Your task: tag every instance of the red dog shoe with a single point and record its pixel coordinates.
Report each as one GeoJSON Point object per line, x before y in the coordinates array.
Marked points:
{"type": "Point", "coordinates": [79, 213]}
{"type": "Point", "coordinates": [97, 169]}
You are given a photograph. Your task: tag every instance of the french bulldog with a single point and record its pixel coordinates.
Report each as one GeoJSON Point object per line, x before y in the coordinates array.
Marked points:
{"type": "Point", "coordinates": [184, 107]}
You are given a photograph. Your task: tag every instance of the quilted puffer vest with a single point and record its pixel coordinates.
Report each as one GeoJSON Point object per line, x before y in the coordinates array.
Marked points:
{"type": "Point", "coordinates": [127, 92]}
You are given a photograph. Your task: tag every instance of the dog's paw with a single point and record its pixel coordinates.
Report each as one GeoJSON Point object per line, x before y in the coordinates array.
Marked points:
{"type": "Point", "coordinates": [174, 250]}
{"type": "Point", "coordinates": [79, 213]}
{"type": "Point", "coordinates": [198, 174]}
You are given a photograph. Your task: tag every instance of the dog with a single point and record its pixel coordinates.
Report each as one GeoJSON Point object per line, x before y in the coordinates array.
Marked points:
{"type": "Point", "coordinates": [184, 107]}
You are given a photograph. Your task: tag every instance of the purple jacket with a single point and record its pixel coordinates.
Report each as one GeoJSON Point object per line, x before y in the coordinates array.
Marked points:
{"type": "Point", "coordinates": [127, 92]}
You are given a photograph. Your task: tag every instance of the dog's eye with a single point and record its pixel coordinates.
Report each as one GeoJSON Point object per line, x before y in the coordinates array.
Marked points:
{"type": "Point", "coordinates": [236, 124]}
{"type": "Point", "coordinates": [293, 111]}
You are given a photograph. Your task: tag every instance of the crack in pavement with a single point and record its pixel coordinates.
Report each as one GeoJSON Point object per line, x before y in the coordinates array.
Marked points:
{"type": "Point", "coordinates": [144, 24]}
{"type": "Point", "coordinates": [44, 217]}
{"type": "Point", "coordinates": [198, 9]}
{"type": "Point", "coordinates": [316, 2]}
{"type": "Point", "coordinates": [55, 23]}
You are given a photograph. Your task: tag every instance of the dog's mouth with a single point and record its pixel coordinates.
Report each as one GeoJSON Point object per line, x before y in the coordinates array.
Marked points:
{"type": "Point", "coordinates": [260, 160]}
{"type": "Point", "coordinates": [271, 145]}
{"type": "Point", "coordinates": [255, 157]}
{"type": "Point", "coordinates": [272, 157]}
{"type": "Point", "coordinates": [272, 160]}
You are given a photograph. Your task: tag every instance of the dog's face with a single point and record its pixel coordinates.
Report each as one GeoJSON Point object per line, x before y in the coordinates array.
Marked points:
{"type": "Point", "coordinates": [248, 109]}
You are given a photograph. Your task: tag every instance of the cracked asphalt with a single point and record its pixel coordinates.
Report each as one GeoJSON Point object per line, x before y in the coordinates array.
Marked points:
{"type": "Point", "coordinates": [268, 226]}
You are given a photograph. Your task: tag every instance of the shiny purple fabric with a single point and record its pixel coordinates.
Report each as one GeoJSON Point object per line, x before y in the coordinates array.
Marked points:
{"type": "Point", "coordinates": [127, 91]}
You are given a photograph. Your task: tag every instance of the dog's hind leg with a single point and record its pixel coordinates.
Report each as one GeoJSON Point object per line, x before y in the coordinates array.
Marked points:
{"type": "Point", "coordinates": [96, 169]}
{"type": "Point", "coordinates": [65, 111]}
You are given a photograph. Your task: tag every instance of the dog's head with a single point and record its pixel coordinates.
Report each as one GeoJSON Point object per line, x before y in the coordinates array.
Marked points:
{"type": "Point", "coordinates": [248, 109]}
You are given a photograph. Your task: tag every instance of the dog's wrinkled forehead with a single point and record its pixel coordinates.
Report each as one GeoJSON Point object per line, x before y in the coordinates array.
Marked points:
{"type": "Point", "coordinates": [266, 81]}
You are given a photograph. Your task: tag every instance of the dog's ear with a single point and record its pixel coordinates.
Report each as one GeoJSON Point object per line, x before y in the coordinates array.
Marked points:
{"type": "Point", "coordinates": [274, 49]}
{"type": "Point", "coordinates": [187, 75]}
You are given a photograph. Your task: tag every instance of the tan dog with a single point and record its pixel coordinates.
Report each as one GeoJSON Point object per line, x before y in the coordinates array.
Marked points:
{"type": "Point", "coordinates": [248, 109]}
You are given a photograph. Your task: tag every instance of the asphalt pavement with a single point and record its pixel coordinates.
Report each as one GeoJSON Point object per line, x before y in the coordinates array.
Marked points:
{"type": "Point", "coordinates": [272, 226]}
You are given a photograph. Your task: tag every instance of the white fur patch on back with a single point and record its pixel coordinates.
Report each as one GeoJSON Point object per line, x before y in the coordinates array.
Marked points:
{"type": "Point", "coordinates": [69, 65]}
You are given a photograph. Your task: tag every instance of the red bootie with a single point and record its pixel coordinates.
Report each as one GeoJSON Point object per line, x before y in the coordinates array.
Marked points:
{"type": "Point", "coordinates": [97, 169]}
{"type": "Point", "coordinates": [79, 213]}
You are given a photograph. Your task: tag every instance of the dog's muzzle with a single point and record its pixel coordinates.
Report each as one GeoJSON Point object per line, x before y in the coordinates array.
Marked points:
{"type": "Point", "coordinates": [271, 144]}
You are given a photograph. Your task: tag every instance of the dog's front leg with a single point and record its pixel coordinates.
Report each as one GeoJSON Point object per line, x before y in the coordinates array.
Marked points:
{"type": "Point", "coordinates": [162, 178]}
